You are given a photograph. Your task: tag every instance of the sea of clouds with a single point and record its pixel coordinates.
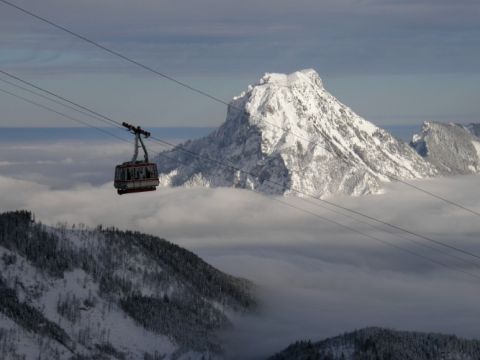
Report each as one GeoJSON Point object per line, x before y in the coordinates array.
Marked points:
{"type": "Point", "coordinates": [314, 278]}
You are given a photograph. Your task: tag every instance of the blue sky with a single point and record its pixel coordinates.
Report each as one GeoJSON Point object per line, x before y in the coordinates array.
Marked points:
{"type": "Point", "coordinates": [393, 62]}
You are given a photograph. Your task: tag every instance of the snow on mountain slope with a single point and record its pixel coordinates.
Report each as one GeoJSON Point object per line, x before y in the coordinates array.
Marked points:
{"type": "Point", "coordinates": [451, 148]}
{"type": "Point", "coordinates": [473, 128]}
{"type": "Point", "coordinates": [288, 133]}
{"type": "Point", "coordinates": [82, 294]}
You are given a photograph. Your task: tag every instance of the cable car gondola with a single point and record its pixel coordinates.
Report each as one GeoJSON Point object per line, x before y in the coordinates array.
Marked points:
{"type": "Point", "coordinates": [136, 175]}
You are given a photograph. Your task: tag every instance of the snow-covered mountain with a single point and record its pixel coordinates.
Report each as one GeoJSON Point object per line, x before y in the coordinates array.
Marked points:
{"type": "Point", "coordinates": [75, 293]}
{"type": "Point", "coordinates": [473, 128]}
{"type": "Point", "coordinates": [451, 148]}
{"type": "Point", "coordinates": [288, 133]}
{"type": "Point", "coordinates": [378, 343]}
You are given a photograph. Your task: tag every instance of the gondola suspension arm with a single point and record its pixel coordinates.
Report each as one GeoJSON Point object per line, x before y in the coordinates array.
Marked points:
{"type": "Point", "coordinates": [138, 131]}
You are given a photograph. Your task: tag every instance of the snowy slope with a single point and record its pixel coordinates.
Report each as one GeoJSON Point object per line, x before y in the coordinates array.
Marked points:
{"type": "Point", "coordinates": [108, 294]}
{"type": "Point", "coordinates": [288, 133]}
{"type": "Point", "coordinates": [451, 148]}
{"type": "Point", "coordinates": [378, 343]}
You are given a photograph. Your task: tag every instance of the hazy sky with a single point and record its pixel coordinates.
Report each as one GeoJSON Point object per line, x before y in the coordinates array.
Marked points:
{"type": "Point", "coordinates": [393, 62]}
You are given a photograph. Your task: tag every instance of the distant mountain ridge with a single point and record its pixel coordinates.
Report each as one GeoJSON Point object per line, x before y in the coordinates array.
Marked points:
{"type": "Point", "coordinates": [473, 128]}
{"type": "Point", "coordinates": [382, 344]}
{"type": "Point", "coordinates": [451, 148]}
{"type": "Point", "coordinates": [76, 293]}
{"type": "Point", "coordinates": [288, 133]}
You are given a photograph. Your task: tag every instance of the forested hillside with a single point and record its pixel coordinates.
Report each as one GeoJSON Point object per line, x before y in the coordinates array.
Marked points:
{"type": "Point", "coordinates": [75, 293]}
{"type": "Point", "coordinates": [384, 344]}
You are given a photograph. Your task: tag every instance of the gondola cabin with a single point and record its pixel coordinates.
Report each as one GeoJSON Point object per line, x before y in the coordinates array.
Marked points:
{"type": "Point", "coordinates": [136, 177]}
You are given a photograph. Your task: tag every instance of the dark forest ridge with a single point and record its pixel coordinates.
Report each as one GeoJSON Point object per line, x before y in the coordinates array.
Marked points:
{"type": "Point", "coordinates": [382, 344]}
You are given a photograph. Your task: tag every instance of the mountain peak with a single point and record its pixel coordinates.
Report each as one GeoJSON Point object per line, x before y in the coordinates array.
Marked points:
{"type": "Point", "coordinates": [301, 76]}
{"type": "Point", "coordinates": [290, 135]}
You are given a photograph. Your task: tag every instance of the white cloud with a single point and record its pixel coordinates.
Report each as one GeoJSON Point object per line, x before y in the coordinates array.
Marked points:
{"type": "Point", "coordinates": [6, 163]}
{"type": "Point", "coordinates": [63, 164]}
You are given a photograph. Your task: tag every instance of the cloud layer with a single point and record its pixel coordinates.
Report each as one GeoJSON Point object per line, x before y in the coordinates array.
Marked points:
{"type": "Point", "coordinates": [212, 35]}
{"type": "Point", "coordinates": [314, 279]}
{"type": "Point", "coordinates": [62, 164]}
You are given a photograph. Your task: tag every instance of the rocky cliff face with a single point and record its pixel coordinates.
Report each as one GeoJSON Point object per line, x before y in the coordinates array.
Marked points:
{"type": "Point", "coordinates": [451, 148]}
{"type": "Point", "coordinates": [288, 133]}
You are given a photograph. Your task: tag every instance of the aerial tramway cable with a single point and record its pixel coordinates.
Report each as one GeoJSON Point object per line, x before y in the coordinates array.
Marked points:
{"type": "Point", "coordinates": [231, 166]}
{"type": "Point", "coordinates": [215, 98]}
{"type": "Point", "coordinates": [63, 114]}
{"type": "Point", "coordinates": [66, 105]}
{"type": "Point", "coordinates": [285, 203]}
